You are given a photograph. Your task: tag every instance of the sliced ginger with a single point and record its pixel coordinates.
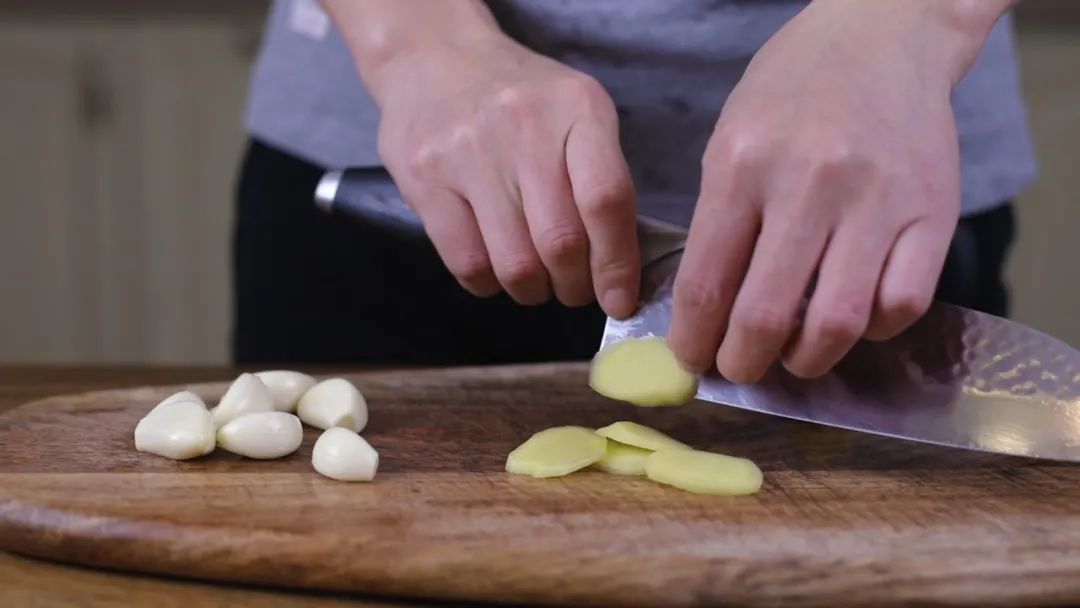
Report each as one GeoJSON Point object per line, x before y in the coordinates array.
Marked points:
{"type": "Point", "coordinates": [642, 371]}
{"type": "Point", "coordinates": [703, 472]}
{"type": "Point", "coordinates": [628, 448]}
{"type": "Point", "coordinates": [640, 436]}
{"type": "Point", "coordinates": [557, 451]}
{"type": "Point", "coordinates": [623, 459]}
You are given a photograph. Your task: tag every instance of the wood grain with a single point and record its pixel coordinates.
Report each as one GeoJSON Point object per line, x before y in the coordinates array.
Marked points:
{"type": "Point", "coordinates": [29, 582]}
{"type": "Point", "coordinates": [26, 581]}
{"type": "Point", "coordinates": [843, 519]}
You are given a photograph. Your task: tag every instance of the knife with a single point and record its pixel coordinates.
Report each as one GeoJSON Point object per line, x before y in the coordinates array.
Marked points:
{"type": "Point", "coordinates": [956, 378]}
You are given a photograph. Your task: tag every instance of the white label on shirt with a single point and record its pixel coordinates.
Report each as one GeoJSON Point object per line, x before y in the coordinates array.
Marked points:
{"type": "Point", "coordinates": [308, 18]}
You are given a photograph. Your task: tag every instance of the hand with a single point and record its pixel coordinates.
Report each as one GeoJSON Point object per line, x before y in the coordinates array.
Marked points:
{"type": "Point", "coordinates": [834, 167]}
{"type": "Point", "coordinates": [513, 162]}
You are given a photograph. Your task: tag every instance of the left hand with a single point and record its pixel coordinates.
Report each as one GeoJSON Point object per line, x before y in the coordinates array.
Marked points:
{"type": "Point", "coordinates": [834, 162]}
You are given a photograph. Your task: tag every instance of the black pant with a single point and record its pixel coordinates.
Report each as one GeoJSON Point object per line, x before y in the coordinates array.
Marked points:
{"type": "Point", "coordinates": [314, 288]}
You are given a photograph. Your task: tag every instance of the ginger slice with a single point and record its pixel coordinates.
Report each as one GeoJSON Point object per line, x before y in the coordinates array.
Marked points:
{"type": "Point", "coordinates": [556, 452]}
{"type": "Point", "coordinates": [642, 371]}
{"type": "Point", "coordinates": [641, 436]}
{"type": "Point", "coordinates": [703, 472]}
{"type": "Point", "coordinates": [623, 459]}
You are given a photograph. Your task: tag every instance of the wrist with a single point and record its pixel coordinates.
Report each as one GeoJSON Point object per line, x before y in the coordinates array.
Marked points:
{"type": "Point", "coordinates": [945, 35]}
{"type": "Point", "coordinates": [395, 40]}
{"type": "Point", "coordinates": [428, 64]}
{"type": "Point", "coordinates": [965, 24]}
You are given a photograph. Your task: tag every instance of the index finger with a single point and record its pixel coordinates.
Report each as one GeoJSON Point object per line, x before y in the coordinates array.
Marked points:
{"type": "Point", "coordinates": [722, 237]}
{"type": "Point", "coordinates": [604, 194]}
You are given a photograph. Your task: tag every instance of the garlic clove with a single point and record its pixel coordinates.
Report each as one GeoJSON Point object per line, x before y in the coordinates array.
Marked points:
{"type": "Point", "coordinates": [285, 387]}
{"type": "Point", "coordinates": [177, 430]}
{"type": "Point", "coordinates": [246, 395]}
{"type": "Point", "coordinates": [181, 396]}
{"type": "Point", "coordinates": [262, 435]}
{"type": "Point", "coordinates": [345, 456]}
{"type": "Point", "coordinates": [331, 403]}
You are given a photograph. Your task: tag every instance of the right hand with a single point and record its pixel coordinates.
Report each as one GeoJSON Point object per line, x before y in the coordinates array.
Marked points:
{"type": "Point", "coordinates": [512, 161]}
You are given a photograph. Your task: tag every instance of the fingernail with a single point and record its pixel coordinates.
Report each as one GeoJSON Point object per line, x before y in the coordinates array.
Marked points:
{"type": "Point", "coordinates": [617, 302]}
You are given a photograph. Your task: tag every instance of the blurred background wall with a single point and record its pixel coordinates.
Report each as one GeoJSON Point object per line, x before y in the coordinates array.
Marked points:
{"type": "Point", "coordinates": [120, 132]}
{"type": "Point", "coordinates": [1045, 268]}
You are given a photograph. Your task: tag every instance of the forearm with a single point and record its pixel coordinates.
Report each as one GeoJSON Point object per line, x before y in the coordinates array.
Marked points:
{"type": "Point", "coordinates": [971, 22]}
{"type": "Point", "coordinates": [946, 33]}
{"type": "Point", "coordinates": [383, 34]}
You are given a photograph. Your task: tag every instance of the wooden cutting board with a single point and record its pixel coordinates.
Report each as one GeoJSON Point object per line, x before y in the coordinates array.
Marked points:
{"type": "Point", "coordinates": [843, 518]}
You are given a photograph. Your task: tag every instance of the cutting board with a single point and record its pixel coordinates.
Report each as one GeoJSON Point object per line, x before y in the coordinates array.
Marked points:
{"type": "Point", "coordinates": [843, 518]}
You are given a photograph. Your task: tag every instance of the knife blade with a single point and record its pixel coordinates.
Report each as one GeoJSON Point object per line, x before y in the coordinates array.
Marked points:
{"type": "Point", "coordinates": [956, 378]}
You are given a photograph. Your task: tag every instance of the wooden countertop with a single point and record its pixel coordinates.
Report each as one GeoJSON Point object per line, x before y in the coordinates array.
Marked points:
{"type": "Point", "coordinates": [30, 582]}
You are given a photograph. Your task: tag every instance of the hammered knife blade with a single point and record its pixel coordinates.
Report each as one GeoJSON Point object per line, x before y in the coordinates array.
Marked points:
{"type": "Point", "coordinates": [957, 378]}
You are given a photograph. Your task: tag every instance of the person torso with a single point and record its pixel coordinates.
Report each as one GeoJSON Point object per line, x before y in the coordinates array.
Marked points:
{"type": "Point", "coordinates": [669, 67]}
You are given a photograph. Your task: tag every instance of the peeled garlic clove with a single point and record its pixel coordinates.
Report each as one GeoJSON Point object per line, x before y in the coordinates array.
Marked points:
{"type": "Point", "coordinates": [286, 387]}
{"type": "Point", "coordinates": [334, 402]}
{"type": "Point", "coordinates": [177, 430]}
{"type": "Point", "coordinates": [181, 396]}
{"type": "Point", "coordinates": [343, 455]}
{"type": "Point", "coordinates": [262, 435]}
{"type": "Point", "coordinates": [247, 395]}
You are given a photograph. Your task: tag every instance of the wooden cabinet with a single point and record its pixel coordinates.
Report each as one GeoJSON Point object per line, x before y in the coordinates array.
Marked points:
{"type": "Point", "coordinates": [1043, 269]}
{"type": "Point", "coordinates": [120, 132]}
{"type": "Point", "coordinates": [119, 139]}
{"type": "Point", "coordinates": [43, 135]}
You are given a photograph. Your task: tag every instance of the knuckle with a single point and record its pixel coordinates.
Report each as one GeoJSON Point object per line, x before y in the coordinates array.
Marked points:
{"type": "Point", "coordinates": [842, 324]}
{"type": "Point", "coordinates": [764, 320]}
{"type": "Point", "coordinates": [604, 199]}
{"type": "Point", "coordinates": [733, 163]}
{"type": "Point", "coordinates": [589, 93]}
{"type": "Point", "coordinates": [472, 268]}
{"type": "Point", "coordinates": [516, 103]}
{"type": "Point", "coordinates": [424, 161]}
{"type": "Point", "coordinates": [461, 138]}
{"type": "Point", "coordinates": [617, 269]}
{"type": "Point", "coordinates": [907, 307]}
{"type": "Point", "coordinates": [428, 157]}
{"type": "Point", "coordinates": [740, 148]}
{"type": "Point", "coordinates": [800, 367]}
{"type": "Point", "coordinates": [521, 271]}
{"type": "Point", "coordinates": [563, 243]}
{"type": "Point", "coordinates": [835, 152]}
{"type": "Point", "coordinates": [838, 160]}
{"type": "Point", "coordinates": [574, 294]}
{"type": "Point", "coordinates": [720, 149]}
{"type": "Point", "coordinates": [698, 295]}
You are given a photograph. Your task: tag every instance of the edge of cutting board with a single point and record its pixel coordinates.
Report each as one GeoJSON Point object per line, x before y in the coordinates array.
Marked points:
{"type": "Point", "coordinates": [843, 519]}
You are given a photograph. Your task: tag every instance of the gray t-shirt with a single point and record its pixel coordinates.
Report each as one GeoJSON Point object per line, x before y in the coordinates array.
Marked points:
{"type": "Point", "coordinates": [669, 66]}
